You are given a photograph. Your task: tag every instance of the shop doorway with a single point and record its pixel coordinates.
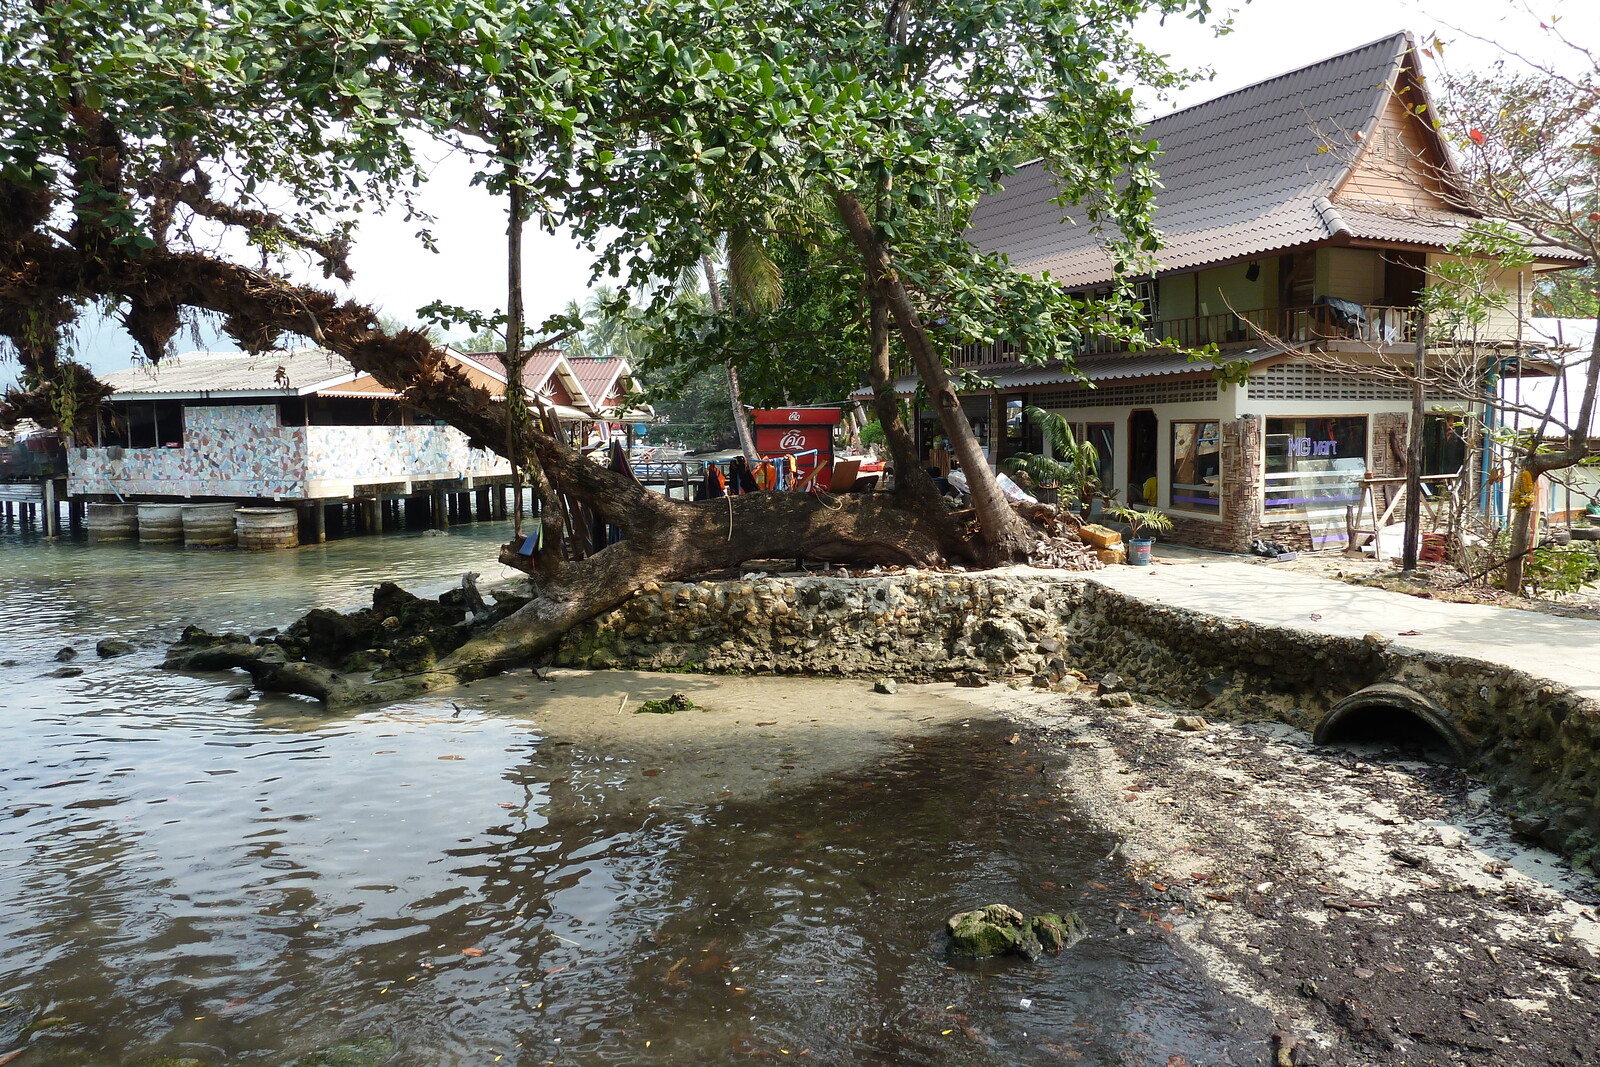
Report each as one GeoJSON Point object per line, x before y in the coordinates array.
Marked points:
{"type": "Point", "coordinates": [1142, 426]}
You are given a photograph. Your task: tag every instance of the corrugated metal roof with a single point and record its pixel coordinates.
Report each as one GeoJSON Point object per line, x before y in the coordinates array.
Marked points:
{"type": "Point", "coordinates": [291, 372]}
{"type": "Point", "coordinates": [1149, 364]}
{"type": "Point", "coordinates": [1242, 174]}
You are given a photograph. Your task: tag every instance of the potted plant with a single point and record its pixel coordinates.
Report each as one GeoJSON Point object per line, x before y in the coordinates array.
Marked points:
{"type": "Point", "coordinates": [1071, 471]}
{"type": "Point", "coordinates": [1138, 519]}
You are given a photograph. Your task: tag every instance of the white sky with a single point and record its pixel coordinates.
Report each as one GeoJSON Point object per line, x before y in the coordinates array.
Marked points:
{"type": "Point", "coordinates": [1270, 37]}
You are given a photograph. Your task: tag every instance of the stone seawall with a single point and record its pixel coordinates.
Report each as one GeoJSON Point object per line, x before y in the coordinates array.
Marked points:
{"type": "Point", "coordinates": [1536, 742]}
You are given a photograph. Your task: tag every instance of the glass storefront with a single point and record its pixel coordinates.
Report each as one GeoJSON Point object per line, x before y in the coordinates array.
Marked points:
{"type": "Point", "coordinates": [1315, 464]}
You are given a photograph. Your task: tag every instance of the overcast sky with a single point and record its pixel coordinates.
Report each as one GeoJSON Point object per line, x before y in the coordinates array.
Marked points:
{"type": "Point", "coordinates": [1270, 37]}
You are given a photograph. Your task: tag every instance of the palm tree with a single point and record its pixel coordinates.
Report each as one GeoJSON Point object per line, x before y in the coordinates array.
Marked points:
{"type": "Point", "coordinates": [1073, 465]}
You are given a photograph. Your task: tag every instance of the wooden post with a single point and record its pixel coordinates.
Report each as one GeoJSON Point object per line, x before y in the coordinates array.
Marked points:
{"type": "Point", "coordinates": [52, 521]}
{"type": "Point", "coordinates": [1413, 518]}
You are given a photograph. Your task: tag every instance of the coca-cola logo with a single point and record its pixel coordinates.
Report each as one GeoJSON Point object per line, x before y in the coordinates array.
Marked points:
{"type": "Point", "coordinates": [792, 441]}
{"type": "Point", "coordinates": [794, 416]}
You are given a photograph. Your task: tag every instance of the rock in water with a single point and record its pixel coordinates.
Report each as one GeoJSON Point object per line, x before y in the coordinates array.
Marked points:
{"type": "Point", "coordinates": [999, 930]}
{"type": "Point", "coordinates": [1056, 932]}
{"type": "Point", "coordinates": [365, 1053]}
{"type": "Point", "coordinates": [66, 655]}
{"type": "Point", "coordinates": [109, 647]}
{"type": "Point", "coordinates": [990, 931]}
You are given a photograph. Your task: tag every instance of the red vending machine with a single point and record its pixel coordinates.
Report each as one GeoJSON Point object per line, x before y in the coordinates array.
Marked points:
{"type": "Point", "coordinates": [804, 433]}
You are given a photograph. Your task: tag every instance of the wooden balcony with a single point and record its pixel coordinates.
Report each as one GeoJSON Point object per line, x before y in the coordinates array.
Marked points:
{"type": "Point", "coordinates": [1377, 325]}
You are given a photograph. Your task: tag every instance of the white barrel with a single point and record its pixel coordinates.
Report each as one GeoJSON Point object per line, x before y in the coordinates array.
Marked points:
{"type": "Point", "coordinates": [263, 528]}
{"type": "Point", "coordinates": [161, 524]}
{"type": "Point", "coordinates": [208, 524]}
{"type": "Point", "coordinates": [112, 522]}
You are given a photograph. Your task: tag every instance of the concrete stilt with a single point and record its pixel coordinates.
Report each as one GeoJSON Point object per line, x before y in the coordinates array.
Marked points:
{"type": "Point", "coordinates": [319, 522]}
{"type": "Point", "coordinates": [441, 510]}
{"type": "Point", "coordinates": [483, 505]}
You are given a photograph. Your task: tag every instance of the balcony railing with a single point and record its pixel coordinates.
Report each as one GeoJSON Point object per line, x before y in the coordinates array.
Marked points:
{"type": "Point", "coordinates": [1373, 324]}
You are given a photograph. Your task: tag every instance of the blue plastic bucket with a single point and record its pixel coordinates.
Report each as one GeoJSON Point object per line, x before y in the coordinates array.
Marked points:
{"type": "Point", "coordinates": [1139, 552]}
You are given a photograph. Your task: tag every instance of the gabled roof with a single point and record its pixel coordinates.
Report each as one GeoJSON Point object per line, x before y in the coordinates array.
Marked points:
{"type": "Point", "coordinates": [601, 375]}
{"type": "Point", "coordinates": [543, 366]}
{"type": "Point", "coordinates": [1255, 171]}
{"type": "Point", "coordinates": [291, 372]}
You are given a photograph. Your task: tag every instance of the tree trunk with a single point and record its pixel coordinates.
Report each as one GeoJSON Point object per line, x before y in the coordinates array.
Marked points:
{"type": "Point", "coordinates": [741, 425]}
{"type": "Point", "coordinates": [912, 480]}
{"type": "Point", "coordinates": [1004, 533]}
{"type": "Point", "coordinates": [1413, 514]}
{"type": "Point", "coordinates": [1535, 463]}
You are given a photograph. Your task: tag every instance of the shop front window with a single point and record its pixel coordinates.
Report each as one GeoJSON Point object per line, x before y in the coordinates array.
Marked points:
{"type": "Point", "coordinates": [1197, 466]}
{"type": "Point", "coordinates": [1314, 464]}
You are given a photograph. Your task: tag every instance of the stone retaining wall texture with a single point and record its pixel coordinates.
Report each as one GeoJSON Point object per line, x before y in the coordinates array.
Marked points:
{"type": "Point", "coordinates": [1537, 742]}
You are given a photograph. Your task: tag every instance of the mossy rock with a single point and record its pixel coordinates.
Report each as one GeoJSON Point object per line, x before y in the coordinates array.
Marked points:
{"type": "Point", "coordinates": [999, 930]}
{"type": "Point", "coordinates": [368, 659]}
{"type": "Point", "coordinates": [995, 930]}
{"type": "Point", "coordinates": [675, 702]}
{"type": "Point", "coordinates": [365, 1053]}
{"type": "Point", "coordinates": [1057, 932]}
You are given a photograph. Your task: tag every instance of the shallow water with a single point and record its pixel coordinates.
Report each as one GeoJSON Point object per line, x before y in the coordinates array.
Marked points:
{"type": "Point", "coordinates": [248, 882]}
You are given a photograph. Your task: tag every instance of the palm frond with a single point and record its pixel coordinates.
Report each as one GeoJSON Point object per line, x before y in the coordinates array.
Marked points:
{"type": "Point", "coordinates": [753, 276]}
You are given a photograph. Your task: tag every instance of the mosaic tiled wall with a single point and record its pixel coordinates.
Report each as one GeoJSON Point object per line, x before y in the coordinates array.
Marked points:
{"type": "Point", "coordinates": [344, 455]}
{"type": "Point", "coordinates": [242, 452]}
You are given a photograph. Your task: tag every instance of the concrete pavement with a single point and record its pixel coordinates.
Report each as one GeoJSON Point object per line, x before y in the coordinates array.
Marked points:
{"type": "Point", "coordinates": [1563, 650]}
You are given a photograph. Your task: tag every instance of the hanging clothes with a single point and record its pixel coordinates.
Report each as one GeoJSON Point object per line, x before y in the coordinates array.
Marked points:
{"type": "Point", "coordinates": [740, 480]}
{"type": "Point", "coordinates": [712, 484]}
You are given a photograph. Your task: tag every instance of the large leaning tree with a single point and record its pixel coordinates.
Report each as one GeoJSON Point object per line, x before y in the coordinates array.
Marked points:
{"type": "Point", "coordinates": [165, 159]}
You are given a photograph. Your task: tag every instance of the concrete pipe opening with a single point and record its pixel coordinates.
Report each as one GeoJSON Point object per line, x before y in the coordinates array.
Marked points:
{"type": "Point", "coordinates": [1392, 714]}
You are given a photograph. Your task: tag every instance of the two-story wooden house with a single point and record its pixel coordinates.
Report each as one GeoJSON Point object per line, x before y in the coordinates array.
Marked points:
{"type": "Point", "coordinates": [1309, 207]}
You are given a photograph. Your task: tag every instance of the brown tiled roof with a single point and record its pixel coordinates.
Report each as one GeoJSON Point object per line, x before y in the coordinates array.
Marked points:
{"type": "Point", "coordinates": [535, 372]}
{"type": "Point", "coordinates": [1241, 174]}
{"type": "Point", "coordinates": [542, 365]}
{"type": "Point", "coordinates": [599, 373]}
